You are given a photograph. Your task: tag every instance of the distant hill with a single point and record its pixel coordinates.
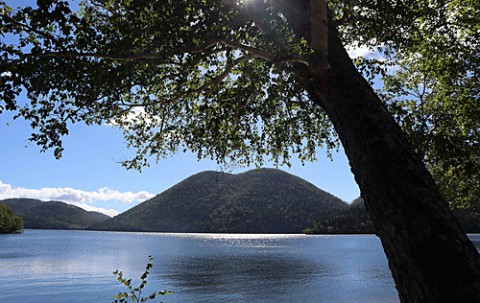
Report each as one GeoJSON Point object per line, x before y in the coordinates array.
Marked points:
{"type": "Point", "coordinates": [356, 220]}
{"type": "Point", "coordinates": [37, 214]}
{"type": "Point", "coordinates": [258, 201]}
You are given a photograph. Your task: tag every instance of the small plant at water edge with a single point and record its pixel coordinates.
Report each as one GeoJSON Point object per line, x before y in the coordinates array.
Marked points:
{"type": "Point", "coordinates": [135, 294]}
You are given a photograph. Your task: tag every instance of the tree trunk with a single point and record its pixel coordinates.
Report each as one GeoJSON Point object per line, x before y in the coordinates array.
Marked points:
{"type": "Point", "coordinates": [430, 257]}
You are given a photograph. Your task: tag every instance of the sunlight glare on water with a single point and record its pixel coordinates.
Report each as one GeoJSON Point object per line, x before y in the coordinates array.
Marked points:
{"type": "Point", "coordinates": [76, 266]}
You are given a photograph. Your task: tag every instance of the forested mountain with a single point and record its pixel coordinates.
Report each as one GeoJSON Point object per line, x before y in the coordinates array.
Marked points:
{"type": "Point", "coordinates": [353, 220]}
{"type": "Point", "coordinates": [53, 214]}
{"type": "Point", "coordinates": [9, 223]}
{"type": "Point", "coordinates": [356, 220]}
{"type": "Point", "coordinates": [258, 201]}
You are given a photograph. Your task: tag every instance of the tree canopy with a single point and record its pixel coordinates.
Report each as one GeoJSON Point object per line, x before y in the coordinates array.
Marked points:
{"type": "Point", "coordinates": [224, 79]}
{"type": "Point", "coordinates": [9, 223]}
{"type": "Point", "coordinates": [174, 75]}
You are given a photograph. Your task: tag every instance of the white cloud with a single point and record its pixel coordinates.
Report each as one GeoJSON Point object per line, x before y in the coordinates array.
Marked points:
{"type": "Point", "coordinates": [6, 74]}
{"type": "Point", "coordinates": [107, 211]}
{"type": "Point", "coordinates": [135, 116]}
{"type": "Point", "coordinates": [359, 51]}
{"type": "Point", "coordinates": [370, 53]}
{"type": "Point", "coordinates": [73, 196]}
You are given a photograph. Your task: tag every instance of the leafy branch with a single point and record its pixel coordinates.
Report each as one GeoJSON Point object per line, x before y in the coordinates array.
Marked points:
{"type": "Point", "coordinates": [135, 294]}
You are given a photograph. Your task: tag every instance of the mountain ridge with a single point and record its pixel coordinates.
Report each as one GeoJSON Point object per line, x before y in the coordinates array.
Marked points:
{"type": "Point", "coordinates": [258, 201]}
{"type": "Point", "coordinates": [38, 214]}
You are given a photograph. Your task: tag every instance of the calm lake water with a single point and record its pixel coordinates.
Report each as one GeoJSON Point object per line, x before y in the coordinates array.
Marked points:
{"type": "Point", "coordinates": [76, 266]}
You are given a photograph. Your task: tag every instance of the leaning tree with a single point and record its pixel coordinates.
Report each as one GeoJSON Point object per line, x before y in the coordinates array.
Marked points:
{"type": "Point", "coordinates": [240, 81]}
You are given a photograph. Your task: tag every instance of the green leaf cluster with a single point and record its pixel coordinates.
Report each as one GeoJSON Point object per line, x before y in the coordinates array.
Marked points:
{"type": "Point", "coordinates": [430, 67]}
{"type": "Point", "coordinates": [442, 121]}
{"type": "Point", "coordinates": [9, 223]}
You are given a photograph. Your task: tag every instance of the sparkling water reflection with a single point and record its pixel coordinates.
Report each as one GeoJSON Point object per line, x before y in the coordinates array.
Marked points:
{"type": "Point", "coordinates": [76, 266]}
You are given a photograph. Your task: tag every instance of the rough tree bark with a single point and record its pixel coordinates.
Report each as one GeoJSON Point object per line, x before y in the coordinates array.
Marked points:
{"type": "Point", "coordinates": [430, 257]}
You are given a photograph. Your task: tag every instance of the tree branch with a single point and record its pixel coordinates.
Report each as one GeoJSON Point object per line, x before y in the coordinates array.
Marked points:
{"type": "Point", "coordinates": [319, 43]}
{"type": "Point", "coordinates": [159, 56]}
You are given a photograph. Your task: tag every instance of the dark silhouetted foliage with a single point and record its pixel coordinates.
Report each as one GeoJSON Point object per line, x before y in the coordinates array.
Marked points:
{"type": "Point", "coordinates": [356, 220]}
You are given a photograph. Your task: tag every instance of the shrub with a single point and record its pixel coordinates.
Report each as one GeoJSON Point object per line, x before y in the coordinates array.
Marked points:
{"type": "Point", "coordinates": [135, 294]}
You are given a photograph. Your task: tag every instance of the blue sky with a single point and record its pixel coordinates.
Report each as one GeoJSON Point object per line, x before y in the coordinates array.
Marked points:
{"type": "Point", "coordinates": [89, 176]}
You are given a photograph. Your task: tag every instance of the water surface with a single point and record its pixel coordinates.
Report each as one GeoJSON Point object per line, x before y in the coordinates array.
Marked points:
{"type": "Point", "coordinates": [76, 266]}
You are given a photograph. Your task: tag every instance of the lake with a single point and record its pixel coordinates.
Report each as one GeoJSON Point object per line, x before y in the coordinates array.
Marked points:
{"type": "Point", "coordinates": [58, 266]}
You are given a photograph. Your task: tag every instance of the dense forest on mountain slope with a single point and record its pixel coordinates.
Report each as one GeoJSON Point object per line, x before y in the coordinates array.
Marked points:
{"type": "Point", "coordinates": [353, 220]}
{"type": "Point", "coordinates": [356, 220]}
{"type": "Point", "coordinates": [53, 214]}
{"type": "Point", "coordinates": [9, 223]}
{"type": "Point", "coordinates": [258, 201]}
